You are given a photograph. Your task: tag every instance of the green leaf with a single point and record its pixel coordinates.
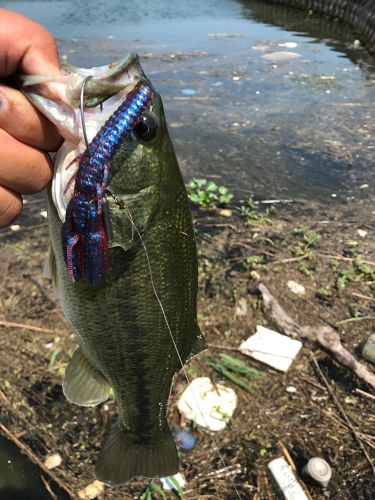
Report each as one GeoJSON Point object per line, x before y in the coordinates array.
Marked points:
{"type": "Point", "coordinates": [157, 489]}
{"type": "Point", "coordinates": [177, 486]}
{"type": "Point", "coordinates": [211, 186]}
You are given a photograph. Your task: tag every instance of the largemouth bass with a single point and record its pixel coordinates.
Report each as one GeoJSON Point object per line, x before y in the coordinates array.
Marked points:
{"type": "Point", "coordinates": [129, 291]}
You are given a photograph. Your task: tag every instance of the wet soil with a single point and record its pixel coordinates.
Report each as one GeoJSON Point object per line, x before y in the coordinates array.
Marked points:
{"type": "Point", "coordinates": [237, 249]}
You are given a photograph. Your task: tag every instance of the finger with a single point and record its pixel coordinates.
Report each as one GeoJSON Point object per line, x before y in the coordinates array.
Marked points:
{"type": "Point", "coordinates": [10, 206]}
{"type": "Point", "coordinates": [23, 169]}
{"type": "Point", "coordinates": [21, 120]}
{"type": "Point", "coordinates": [26, 46]}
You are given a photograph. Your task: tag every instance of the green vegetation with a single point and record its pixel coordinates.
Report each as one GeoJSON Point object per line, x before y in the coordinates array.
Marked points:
{"type": "Point", "coordinates": [151, 490]}
{"type": "Point", "coordinates": [308, 240]}
{"type": "Point", "coordinates": [253, 215]}
{"type": "Point", "coordinates": [235, 370]}
{"type": "Point", "coordinates": [205, 193]}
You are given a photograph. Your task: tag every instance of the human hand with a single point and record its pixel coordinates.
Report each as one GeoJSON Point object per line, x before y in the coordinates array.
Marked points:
{"type": "Point", "coordinates": [25, 134]}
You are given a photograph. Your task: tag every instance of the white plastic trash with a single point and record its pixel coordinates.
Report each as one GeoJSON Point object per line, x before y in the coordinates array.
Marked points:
{"type": "Point", "coordinates": [272, 348]}
{"type": "Point", "coordinates": [169, 485]}
{"type": "Point", "coordinates": [207, 405]}
{"type": "Point", "coordinates": [286, 480]}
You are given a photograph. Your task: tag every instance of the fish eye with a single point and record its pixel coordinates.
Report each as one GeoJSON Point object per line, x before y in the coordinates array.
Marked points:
{"type": "Point", "coordinates": [146, 128]}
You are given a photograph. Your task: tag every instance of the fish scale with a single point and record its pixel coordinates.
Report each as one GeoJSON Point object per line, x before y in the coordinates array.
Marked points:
{"type": "Point", "coordinates": [125, 340]}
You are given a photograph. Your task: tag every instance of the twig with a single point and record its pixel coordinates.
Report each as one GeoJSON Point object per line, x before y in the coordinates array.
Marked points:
{"type": "Point", "coordinates": [36, 461]}
{"type": "Point", "coordinates": [364, 297]}
{"type": "Point", "coordinates": [290, 259]}
{"type": "Point", "coordinates": [8, 324]}
{"type": "Point", "coordinates": [345, 259]}
{"type": "Point", "coordinates": [366, 394]}
{"type": "Point", "coordinates": [356, 318]}
{"type": "Point", "coordinates": [343, 413]}
{"type": "Point", "coordinates": [48, 488]}
{"type": "Point", "coordinates": [326, 336]}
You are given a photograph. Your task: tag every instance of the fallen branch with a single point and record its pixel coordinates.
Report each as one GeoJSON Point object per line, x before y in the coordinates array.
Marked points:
{"type": "Point", "coordinates": [324, 335]}
{"type": "Point", "coordinates": [8, 324]}
{"type": "Point", "coordinates": [36, 460]}
{"type": "Point", "coordinates": [343, 413]}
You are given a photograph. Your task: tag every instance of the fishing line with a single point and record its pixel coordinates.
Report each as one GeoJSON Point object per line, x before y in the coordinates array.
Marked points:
{"type": "Point", "coordinates": [134, 228]}
{"type": "Point", "coordinates": [216, 447]}
{"type": "Point", "coordinates": [82, 112]}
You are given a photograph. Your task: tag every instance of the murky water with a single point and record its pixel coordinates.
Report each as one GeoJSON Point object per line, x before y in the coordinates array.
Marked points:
{"type": "Point", "coordinates": [19, 478]}
{"type": "Point", "coordinates": [300, 127]}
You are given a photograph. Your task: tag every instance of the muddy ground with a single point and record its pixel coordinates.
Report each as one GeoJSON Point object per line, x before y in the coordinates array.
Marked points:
{"type": "Point", "coordinates": [237, 250]}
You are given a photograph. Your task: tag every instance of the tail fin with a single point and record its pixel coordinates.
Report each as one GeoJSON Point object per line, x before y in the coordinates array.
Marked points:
{"type": "Point", "coordinates": [121, 458]}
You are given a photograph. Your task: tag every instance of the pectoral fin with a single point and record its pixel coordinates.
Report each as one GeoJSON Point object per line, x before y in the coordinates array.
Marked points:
{"type": "Point", "coordinates": [83, 384]}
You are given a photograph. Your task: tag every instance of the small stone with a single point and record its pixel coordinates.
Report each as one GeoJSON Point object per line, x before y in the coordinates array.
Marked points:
{"type": "Point", "coordinates": [242, 308]}
{"type": "Point", "coordinates": [44, 214]}
{"type": "Point", "coordinates": [15, 227]}
{"type": "Point", "coordinates": [261, 47]}
{"type": "Point", "coordinates": [363, 186]}
{"type": "Point", "coordinates": [368, 351]}
{"type": "Point", "coordinates": [362, 233]}
{"type": "Point", "coordinates": [91, 491]}
{"type": "Point", "coordinates": [225, 212]}
{"type": "Point", "coordinates": [291, 389]}
{"type": "Point", "coordinates": [236, 78]}
{"type": "Point", "coordinates": [333, 195]}
{"type": "Point", "coordinates": [53, 461]}
{"type": "Point", "coordinates": [255, 275]}
{"type": "Point", "coordinates": [356, 44]}
{"type": "Point", "coordinates": [281, 55]}
{"type": "Point", "coordinates": [296, 288]}
{"type": "Point", "coordinates": [176, 124]}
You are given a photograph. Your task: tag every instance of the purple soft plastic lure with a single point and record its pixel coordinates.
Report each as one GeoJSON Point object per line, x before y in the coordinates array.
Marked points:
{"type": "Point", "coordinates": [84, 240]}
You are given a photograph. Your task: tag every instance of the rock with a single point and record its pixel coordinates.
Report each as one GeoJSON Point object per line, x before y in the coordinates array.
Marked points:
{"type": "Point", "coordinates": [225, 212]}
{"type": "Point", "coordinates": [280, 55]}
{"type": "Point", "coordinates": [362, 233]}
{"type": "Point", "coordinates": [296, 288]}
{"type": "Point", "coordinates": [53, 461]}
{"type": "Point", "coordinates": [368, 351]}
{"type": "Point", "coordinates": [291, 389]}
{"type": "Point", "coordinates": [91, 491]}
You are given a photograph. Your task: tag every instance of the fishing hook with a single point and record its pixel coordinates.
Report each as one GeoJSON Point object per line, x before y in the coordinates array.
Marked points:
{"type": "Point", "coordinates": [82, 112]}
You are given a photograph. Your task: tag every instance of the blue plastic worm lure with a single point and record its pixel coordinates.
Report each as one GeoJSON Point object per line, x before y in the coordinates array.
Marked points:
{"type": "Point", "coordinates": [84, 239]}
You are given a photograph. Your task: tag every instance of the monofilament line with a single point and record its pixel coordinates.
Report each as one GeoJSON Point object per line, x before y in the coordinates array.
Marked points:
{"type": "Point", "coordinates": [82, 113]}
{"type": "Point", "coordinates": [216, 447]}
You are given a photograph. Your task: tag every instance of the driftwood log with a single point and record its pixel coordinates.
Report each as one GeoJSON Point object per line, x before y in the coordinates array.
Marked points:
{"type": "Point", "coordinates": [325, 336]}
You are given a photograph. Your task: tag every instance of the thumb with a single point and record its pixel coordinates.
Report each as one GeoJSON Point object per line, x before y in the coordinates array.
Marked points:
{"type": "Point", "coordinates": [26, 46]}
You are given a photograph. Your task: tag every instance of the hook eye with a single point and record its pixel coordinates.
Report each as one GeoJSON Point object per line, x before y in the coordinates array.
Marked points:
{"type": "Point", "coordinates": [146, 128]}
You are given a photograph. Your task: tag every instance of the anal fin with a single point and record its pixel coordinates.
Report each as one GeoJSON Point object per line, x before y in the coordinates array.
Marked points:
{"type": "Point", "coordinates": [83, 384]}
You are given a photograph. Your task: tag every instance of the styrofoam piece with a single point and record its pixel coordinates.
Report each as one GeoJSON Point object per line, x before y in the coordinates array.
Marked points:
{"type": "Point", "coordinates": [272, 348]}
{"type": "Point", "coordinates": [206, 405]}
{"type": "Point", "coordinates": [168, 484]}
{"type": "Point", "coordinates": [286, 480]}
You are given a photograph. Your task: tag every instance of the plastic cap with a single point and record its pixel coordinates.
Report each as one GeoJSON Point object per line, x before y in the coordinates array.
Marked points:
{"type": "Point", "coordinates": [318, 470]}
